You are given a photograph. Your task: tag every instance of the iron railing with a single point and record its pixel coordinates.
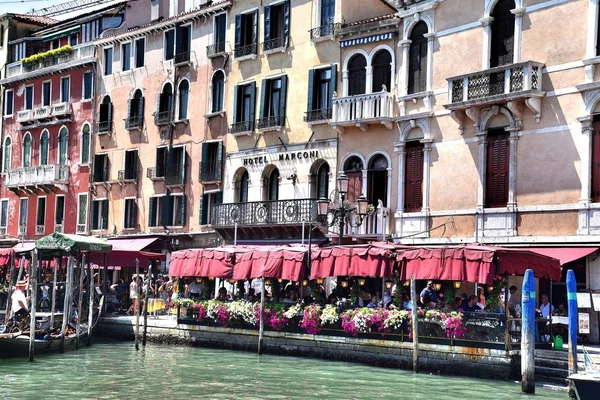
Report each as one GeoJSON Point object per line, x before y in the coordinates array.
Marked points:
{"type": "Point", "coordinates": [270, 122]}
{"type": "Point", "coordinates": [245, 50]}
{"type": "Point", "coordinates": [175, 176]}
{"type": "Point", "coordinates": [155, 173]}
{"type": "Point", "coordinates": [318, 115]}
{"type": "Point", "coordinates": [216, 49]}
{"type": "Point", "coordinates": [61, 109]}
{"type": "Point", "coordinates": [322, 31]}
{"type": "Point", "coordinates": [183, 57]}
{"type": "Point", "coordinates": [44, 112]}
{"type": "Point", "coordinates": [104, 126]}
{"type": "Point", "coordinates": [25, 116]}
{"type": "Point", "coordinates": [293, 211]}
{"type": "Point", "coordinates": [134, 122]}
{"type": "Point", "coordinates": [163, 117]}
{"type": "Point", "coordinates": [277, 43]}
{"type": "Point", "coordinates": [241, 127]}
{"type": "Point", "coordinates": [127, 175]}
{"type": "Point", "coordinates": [210, 171]}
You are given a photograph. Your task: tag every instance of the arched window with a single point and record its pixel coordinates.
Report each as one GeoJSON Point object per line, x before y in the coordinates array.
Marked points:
{"type": "Point", "coordinates": [382, 71]}
{"type": "Point", "coordinates": [273, 185]}
{"type": "Point", "coordinates": [218, 86]}
{"type": "Point", "coordinates": [417, 63]}
{"type": "Point", "coordinates": [136, 111]}
{"type": "Point", "coordinates": [44, 146]}
{"type": "Point", "coordinates": [27, 150]}
{"type": "Point", "coordinates": [7, 155]}
{"type": "Point", "coordinates": [105, 117]}
{"type": "Point", "coordinates": [63, 144]}
{"type": "Point", "coordinates": [377, 180]}
{"type": "Point", "coordinates": [184, 89]}
{"type": "Point", "coordinates": [165, 104]}
{"type": "Point", "coordinates": [357, 75]}
{"type": "Point", "coordinates": [243, 188]}
{"type": "Point", "coordinates": [353, 169]}
{"type": "Point", "coordinates": [85, 144]}
{"type": "Point", "coordinates": [323, 181]}
{"type": "Point", "coordinates": [503, 34]}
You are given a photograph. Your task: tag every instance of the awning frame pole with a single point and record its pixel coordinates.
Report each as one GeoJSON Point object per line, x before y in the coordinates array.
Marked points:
{"type": "Point", "coordinates": [79, 300]}
{"type": "Point", "coordinates": [148, 281]}
{"type": "Point", "coordinates": [415, 324]}
{"type": "Point", "coordinates": [54, 283]}
{"type": "Point", "coordinates": [262, 316]}
{"type": "Point", "coordinates": [137, 309]}
{"type": "Point", "coordinates": [10, 288]}
{"type": "Point", "coordinates": [90, 300]}
{"type": "Point", "coordinates": [33, 282]}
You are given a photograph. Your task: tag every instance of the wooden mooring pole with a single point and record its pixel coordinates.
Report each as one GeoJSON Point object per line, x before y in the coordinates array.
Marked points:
{"type": "Point", "coordinates": [53, 304]}
{"type": "Point", "coordinates": [33, 282]}
{"type": "Point", "coordinates": [137, 309]}
{"type": "Point", "coordinates": [11, 283]}
{"type": "Point", "coordinates": [528, 333]}
{"type": "Point", "coordinates": [67, 303]}
{"type": "Point", "coordinates": [415, 323]}
{"type": "Point", "coordinates": [262, 316]}
{"type": "Point", "coordinates": [148, 281]}
{"type": "Point", "coordinates": [91, 295]}
{"type": "Point", "coordinates": [80, 300]}
{"type": "Point", "coordinates": [573, 320]}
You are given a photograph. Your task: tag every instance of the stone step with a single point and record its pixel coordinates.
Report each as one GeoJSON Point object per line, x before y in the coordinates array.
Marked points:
{"type": "Point", "coordinates": [557, 376]}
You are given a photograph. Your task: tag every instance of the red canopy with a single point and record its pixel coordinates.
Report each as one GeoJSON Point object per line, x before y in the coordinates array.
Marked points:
{"type": "Point", "coordinates": [563, 254]}
{"type": "Point", "coordinates": [217, 263]}
{"type": "Point", "coordinates": [276, 262]}
{"type": "Point", "coordinates": [375, 260]}
{"type": "Point", "coordinates": [5, 257]}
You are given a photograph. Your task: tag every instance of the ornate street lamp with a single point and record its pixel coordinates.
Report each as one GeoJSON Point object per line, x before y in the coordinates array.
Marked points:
{"type": "Point", "coordinates": [457, 284]}
{"type": "Point", "coordinates": [388, 284]}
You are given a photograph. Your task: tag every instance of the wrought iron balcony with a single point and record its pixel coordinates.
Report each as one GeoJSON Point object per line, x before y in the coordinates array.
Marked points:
{"type": "Point", "coordinates": [41, 176]}
{"type": "Point", "coordinates": [210, 171]}
{"type": "Point", "coordinates": [318, 115]}
{"type": "Point", "coordinates": [81, 229]}
{"type": "Point", "coordinates": [61, 109]}
{"type": "Point", "coordinates": [270, 123]}
{"type": "Point", "coordinates": [25, 116]}
{"type": "Point", "coordinates": [242, 128]}
{"type": "Point", "coordinates": [153, 173]}
{"type": "Point", "coordinates": [134, 122]}
{"type": "Point", "coordinates": [363, 110]}
{"type": "Point", "coordinates": [265, 212]}
{"type": "Point", "coordinates": [127, 175]}
{"type": "Point", "coordinates": [175, 176]}
{"type": "Point", "coordinates": [43, 112]}
{"type": "Point", "coordinates": [216, 50]}
{"type": "Point", "coordinates": [182, 58]}
{"type": "Point", "coordinates": [274, 45]}
{"type": "Point", "coordinates": [104, 127]}
{"type": "Point", "coordinates": [323, 32]}
{"type": "Point", "coordinates": [243, 51]}
{"type": "Point", "coordinates": [163, 117]}
{"type": "Point", "coordinates": [40, 230]}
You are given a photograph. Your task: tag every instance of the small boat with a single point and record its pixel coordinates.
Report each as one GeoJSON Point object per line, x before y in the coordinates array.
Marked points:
{"type": "Point", "coordinates": [587, 385]}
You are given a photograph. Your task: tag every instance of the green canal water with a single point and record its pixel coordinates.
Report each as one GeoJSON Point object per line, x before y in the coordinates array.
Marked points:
{"type": "Point", "coordinates": [114, 370]}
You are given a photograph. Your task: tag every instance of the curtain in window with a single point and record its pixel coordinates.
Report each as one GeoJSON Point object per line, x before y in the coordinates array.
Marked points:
{"type": "Point", "coordinates": [63, 138]}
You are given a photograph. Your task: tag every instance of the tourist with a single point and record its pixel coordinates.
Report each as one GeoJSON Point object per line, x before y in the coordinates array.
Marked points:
{"type": "Point", "coordinates": [481, 297]}
{"type": "Point", "coordinates": [472, 304]}
{"type": "Point", "coordinates": [429, 290]}
{"type": "Point", "coordinates": [457, 303]}
{"type": "Point", "coordinates": [374, 303]}
{"type": "Point", "coordinates": [195, 289]}
{"type": "Point", "coordinates": [546, 309]}
{"type": "Point", "coordinates": [19, 301]}
{"type": "Point", "coordinates": [514, 301]}
{"type": "Point", "coordinates": [407, 302]}
{"type": "Point", "coordinates": [561, 311]}
{"type": "Point", "coordinates": [44, 300]}
{"type": "Point", "coordinates": [133, 296]}
{"type": "Point", "coordinates": [332, 299]}
{"type": "Point", "coordinates": [387, 299]}
{"type": "Point", "coordinates": [223, 296]}
{"type": "Point", "coordinates": [427, 302]}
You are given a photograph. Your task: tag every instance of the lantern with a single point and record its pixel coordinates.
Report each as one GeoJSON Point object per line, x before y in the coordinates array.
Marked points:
{"type": "Point", "coordinates": [388, 284]}
{"type": "Point", "coordinates": [319, 281]}
{"type": "Point", "coordinates": [437, 286]}
{"type": "Point", "coordinates": [344, 284]}
{"type": "Point", "coordinates": [305, 283]}
{"type": "Point", "coordinates": [457, 284]}
{"type": "Point", "coordinates": [361, 205]}
{"type": "Point", "coordinates": [361, 281]}
{"type": "Point", "coordinates": [343, 181]}
{"type": "Point", "coordinates": [322, 206]}
{"type": "Point", "coordinates": [267, 282]}
{"type": "Point", "coordinates": [407, 283]}
{"type": "Point", "coordinates": [280, 280]}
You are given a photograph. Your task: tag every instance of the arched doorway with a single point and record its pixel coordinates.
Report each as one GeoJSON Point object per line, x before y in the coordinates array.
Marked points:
{"type": "Point", "coordinates": [377, 180]}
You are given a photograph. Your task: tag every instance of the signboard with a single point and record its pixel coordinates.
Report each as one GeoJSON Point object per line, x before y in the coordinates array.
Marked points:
{"type": "Point", "coordinates": [596, 300]}
{"type": "Point", "coordinates": [287, 156]}
{"type": "Point", "coordinates": [584, 323]}
{"type": "Point", "coordinates": [584, 300]}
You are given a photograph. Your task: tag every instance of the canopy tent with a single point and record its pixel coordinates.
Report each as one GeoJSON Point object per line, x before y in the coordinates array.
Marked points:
{"type": "Point", "coordinates": [125, 251]}
{"type": "Point", "coordinates": [563, 254]}
{"type": "Point", "coordinates": [5, 257]}
{"type": "Point", "coordinates": [217, 263]}
{"type": "Point", "coordinates": [68, 243]}
{"type": "Point", "coordinates": [276, 262]}
{"type": "Point", "coordinates": [473, 263]}
{"type": "Point", "coordinates": [373, 260]}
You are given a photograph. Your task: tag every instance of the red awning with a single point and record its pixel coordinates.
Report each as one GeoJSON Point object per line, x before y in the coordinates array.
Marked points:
{"type": "Point", "coordinates": [276, 262]}
{"type": "Point", "coordinates": [375, 260]}
{"type": "Point", "coordinates": [563, 254]}
{"type": "Point", "coordinates": [5, 256]}
{"type": "Point", "coordinates": [217, 263]}
{"type": "Point", "coordinates": [132, 244]}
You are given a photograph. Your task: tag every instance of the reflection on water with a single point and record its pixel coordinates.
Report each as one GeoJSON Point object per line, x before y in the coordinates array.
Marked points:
{"type": "Point", "coordinates": [112, 370]}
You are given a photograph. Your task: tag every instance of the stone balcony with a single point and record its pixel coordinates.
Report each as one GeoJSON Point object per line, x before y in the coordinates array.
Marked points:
{"type": "Point", "coordinates": [61, 109]}
{"type": "Point", "coordinates": [42, 113]}
{"type": "Point", "coordinates": [363, 110]}
{"type": "Point", "coordinates": [25, 116]}
{"type": "Point", "coordinates": [47, 178]}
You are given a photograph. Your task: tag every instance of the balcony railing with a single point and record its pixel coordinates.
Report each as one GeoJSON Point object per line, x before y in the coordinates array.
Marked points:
{"type": "Point", "coordinates": [163, 117]}
{"type": "Point", "coordinates": [243, 127]}
{"type": "Point", "coordinates": [80, 52]}
{"type": "Point", "coordinates": [318, 115]}
{"type": "Point", "coordinates": [81, 229]}
{"type": "Point", "coordinates": [104, 126]}
{"type": "Point", "coordinates": [134, 122]}
{"type": "Point", "coordinates": [495, 83]}
{"type": "Point", "coordinates": [362, 108]}
{"type": "Point", "coordinates": [58, 228]}
{"type": "Point", "coordinates": [127, 175]}
{"type": "Point", "coordinates": [270, 123]}
{"type": "Point", "coordinates": [40, 230]}
{"type": "Point", "coordinates": [2, 230]}
{"type": "Point", "coordinates": [210, 171]}
{"type": "Point", "coordinates": [154, 174]}
{"type": "Point", "coordinates": [375, 224]}
{"type": "Point", "coordinates": [275, 44]}
{"type": "Point", "coordinates": [323, 31]}
{"type": "Point", "coordinates": [43, 112]}
{"type": "Point", "coordinates": [61, 109]}
{"type": "Point", "coordinates": [25, 116]}
{"type": "Point", "coordinates": [215, 50]}
{"type": "Point", "coordinates": [53, 174]}
{"type": "Point", "coordinates": [264, 212]}
{"type": "Point", "coordinates": [247, 50]}
{"type": "Point", "coordinates": [175, 177]}
{"type": "Point", "coordinates": [182, 58]}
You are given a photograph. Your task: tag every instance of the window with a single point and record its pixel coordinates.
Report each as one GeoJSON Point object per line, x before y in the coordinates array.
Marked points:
{"type": "Point", "coordinates": [211, 165]}
{"type": "Point", "coordinates": [140, 52]}
{"type": "Point", "coordinates": [165, 105]}
{"type": "Point", "coordinates": [101, 167]}
{"type": "Point", "coordinates": [357, 75]}
{"type": "Point", "coordinates": [321, 85]}
{"type": "Point", "coordinates": [243, 187]}
{"type": "Point", "coordinates": [382, 71]}
{"type": "Point", "coordinates": [108, 60]}
{"type": "Point", "coordinates": [173, 210]}
{"type": "Point", "coordinates": [184, 89]}
{"type": "Point", "coordinates": [105, 118]}
{"type": "Point", "coordinates": [155, 211]}
{"type": "Point", "coordinates": [130, 214]}
{"type": "Point", "coordinates": [169, 44]}
{"type": "Point", "coordinates": [55, 44]}
{"type": "Point", "coordinates": [65, 89]}
{"type": "Point", "coordinates": [353, 168]}
{"type": "Point", "coordinates": [497, 168]}
{"type": "Point", "coordinates": [321, 188]}
{"type": "Point", "coordinates": [135, 111]}
{"type": "Point", "coordinates": [23, 209]}
{"type": "Point", "coordinates": [18, 51]}
{"type": "Point", "coordinates": [100, 214]}
{"type": "Point", "coordinates": [273, 185]}
{"type": "Point", "coordinates": [503, 33]}
{"type": "Point", "coordinates": [218, 88]}
{"type": "Point", "coordinates": [6, 164]}
{"type": "Point", "coordinates": [246, 34]}
{"type": "Point", "coordinates": [131, 164]}
{"type": "Point", "coordinates": [209, 200]}
{"type": "Point", "coordinates": [161, 161]}
{"type": "Point", "coordinates": [596, 160]}
{"type": "Point", "coordinates": [82, 211]}
{"type": "Point", "coordinates": [176, 165]}
{"type": "Point", "coordinates": [154, 10]}
{"type": "Point", "coordinates": [244, 104]}
{"type": "Point", "coordinates": [87, 85]}
{"type": "Point", "coordinates": [63, 144]}
{"type": "Point", "coordinates": [46, 93]}
{"type": "Point", "coordinates": [112, 21]}
{"type": "Point", "coordinates": [377, 176]}
{"type": "Point", "coordinates": [29, 97]}
{"type": "Point", "coordinates": [272, 102]}
{"type": "Point", "coordinates": [27, 150]}
{"type": "Point", "coordinates": [44, 146]}
{"type": "Point", "coordinates": [59, 214]}
{"type": "Point", "coordinates": [85, 144]}
{"type": "Point", "coordinates": [277, 26]}
{"type": "Point", "coordinates": [89, 31]}
{"type": "Point", "coordinates": [413, 177]}
{"type": "Point", "coordinates": [8, 102]}
{"type": "Point", "coordinates": [41, 214]}
{"type": "Point", "coordinates": [220, 29]}
{"type": "Point", "coordinates": [4, 213]}
{"type": "Point", "coordinates": [125, 56]}
{"type": "Point", "coordinates": [327, 15]}
{"type": "Point", "coordinates": [183, 44]}
{"type": "Point", "coordinates": [417, 63]}
{"type": "Point", "coordinates": [73, 40]}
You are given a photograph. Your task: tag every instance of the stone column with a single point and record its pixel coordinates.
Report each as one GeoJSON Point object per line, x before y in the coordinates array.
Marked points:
{"type": "Point", "coordinates": [482, 147]}
{"type": "Point", "coordinates": [426, 183]}
{"type": "Point", "coordinates": [399, 148]}
{"type": "Point", "coordinates": [590, 48]}
{"type": "Point", "coordinates": [405, 44]}
{"type": "Point", "coordinates": [487, 41]}
{"type": "Point", "coordinates": [369, 80]}
{"type": "Point", "coordinates": [518, 13]}
{"type": "Point", "coordinates": [345, 76]}
{"type": "Point", "coordinates": [587, 129]}
{"type": "Point", "coordinates": [512, 168]}
{"type": "Point", "coordinates": [430, 38]}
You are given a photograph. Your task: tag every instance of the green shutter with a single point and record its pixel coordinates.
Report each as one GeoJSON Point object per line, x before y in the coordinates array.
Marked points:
{"type": "Point", "coordinates": [282, 100]}
{"type": "Point", "coordinates": [167, 211]}
{"type": "Point", "coordinates": [183, 163]}
{"type": "Point", "coordinates": [252, 104]}
{"type": "Point", "coordinates": [204, 207]}
{"type": "Point", "coordinates": [286, 22]}
{"type": "Point", "coordinates": [333, 85]}
{"type": "Point", "coordinates": [205, 165]}
{"type": "Point", "coordinates": [238, 31]}
{"type": "Point", "coordinates": [200, 209]}
{"type": "Point", "coordinates": [152, 212]}
{"type": "Point", "coordinates": [219, 198]}
{"type": "Point", "coordinates": [110, 109]}
{"type": "Point", "coordinates": [95, 222]}
{"type": "Point", "coordinates": [267, 23]}
{"type": "Point", "coordinates": [236, 89]}
{"type": "Point", "coordinates": [219, 162]}
{"type": "Point", "coordinates": [263, 98]}
{"type": "Point", "coordinates": [158, 103]}
{"type": "Point", "coordinates": [311, 90]}
{"type": "Point", "coordinates": [105, 214]}
{"type": "Point", "coordinates": [134, 214]}
{"type": "Point", "coordinates": [255, 28]}
{"type": "Point", "coordinates": [141, 111]}
{"type": "Point", "coordinates": [128, 112]}
{"type": "Point", "coordinates": [183, 209]}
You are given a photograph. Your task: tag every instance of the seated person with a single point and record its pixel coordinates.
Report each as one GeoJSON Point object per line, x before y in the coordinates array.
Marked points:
{"type": "Point", "coordinates": [457, 303]}
{"type": "Point", "coordinates": [292, 298]}
{"type": "Point", "coordinates": [561, 311]}
{"type": "Point", "coordinates": [374, 303]}
{"type": "Point", "coordinates": [428, 303]}
{"type": "Point", "coordinates": [472, 304]}
{"type": "Point", "coordinates": [332, 299]}
{"type": "Point", "coordinates": [223, 296]}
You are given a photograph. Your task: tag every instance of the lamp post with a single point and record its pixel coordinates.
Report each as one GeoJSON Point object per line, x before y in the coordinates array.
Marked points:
{"type": "Point", "coordinates": [340, 214]}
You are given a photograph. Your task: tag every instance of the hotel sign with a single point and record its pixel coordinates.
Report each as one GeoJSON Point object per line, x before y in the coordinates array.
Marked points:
{"type": "Point", "coordinates": [287, 156]}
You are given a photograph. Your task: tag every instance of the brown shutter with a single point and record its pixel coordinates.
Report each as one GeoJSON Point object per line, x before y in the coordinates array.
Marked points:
{"type": "Point", "coordinates": [354, 185]}
{"type": "Point", "coordinates": [596, 163]}
{"type": "Point", "coordinates": [417, 64]}
{"type": "Point", "coordinates": [498, 159]}
{"type": "Point", "coordinates": [413, 177]}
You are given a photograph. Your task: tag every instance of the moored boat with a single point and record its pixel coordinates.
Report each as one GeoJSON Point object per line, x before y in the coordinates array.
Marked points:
{"type": "Point", "coordinates": [587, 385]}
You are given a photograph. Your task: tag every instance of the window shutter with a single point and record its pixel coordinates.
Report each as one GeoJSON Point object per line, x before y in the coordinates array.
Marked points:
{"type": "Point", "coordinates": [333, 84]}
{"type": "Point", "coordinates": [183, 164]}
{"type": "Point", "coordinates": [252, 104]}
{"type": "Point", "coordinates": [267, 23]}
{"type": "Point", "coordinates": [219, 198]}
{"type": "Point", "coordinates": [286, 21]}
{"type": "Point", "coordinates": [596, 163]}
{"type": "Point", "coordinates": [134, 212]}
{"type": "Point", "coordinates": [238, 31]}
{"type": "Point", "coordinates": [263, 98]}
{"type": "Point", "coordinates": [104, 214]}
{"type": "Point", "coordinates": [282, 100]}
{"type": "Point", "coordinates": [354, 185]}
{"type": "Point", "coordinates": [413, 179]}
{"type": "Point", "coordinates": [152, 212]}
{"type": "Point", "coordinates": [219, 162]}
{"type": "Point", "coordinates": [235, 103]}
{"type": "Point", "coordinates": [497, 169]}
{"type": "Point", "coordinates": [158, 101]}
{"type": "Point", "coordinates": [503, 31]}
{"type": "Point", "coordinates": [311, 90]}
{"type": "Point", "coordinates": [129, 108]}
{"type": "Point", "coordinates": [167, 211]}
{"type": "Point", "coordinates": [95, 224]}
{"type": "Point", "coordinates": [200, 200]}
{"type": "Point", "coordinates": [205, 162]}
{"type": "Point", "coordinates": [204, 207]}
{"type": "Point", "coordinates": [110, 107]}
{"type": "Point", "coordinates": [105, 168]}
{"type": "Point", "coordinates": [179, 40]}
{"type": "Point", "coordinates": [183, 208]}
{"type": "Point", "coordinates": [141, 110]}
{"type": "Point", "coordinates": [255, 27]}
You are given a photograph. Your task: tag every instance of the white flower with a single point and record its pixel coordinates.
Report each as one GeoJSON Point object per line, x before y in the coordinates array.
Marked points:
{"type": "Point", "coordinates": [293, 311]}
{"type": "Point", "coordinates": [329, 315]}
{"type": "Point", "coordinates": [242, 310]}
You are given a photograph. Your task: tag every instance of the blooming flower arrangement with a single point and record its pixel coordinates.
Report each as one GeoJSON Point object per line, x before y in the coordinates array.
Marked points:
{"type": "Point", "coordinates": [293, 311]}
{"type": "Point", "coordinates": [211, 309]}
{"type": "Point", "coordinates": [201, 311]}
{"type": "Point", "coordinates": [311, 320]}
{"type": "Point", "coordinates": [329, 316]}
{"type": "Point", "coordinates": [222, 317]}
{"type": "Point", "coordinates": [242, 311]}
{"type": "Point", "coordinates": [395, 319]}
{"type": "Point", "coordinates": [275, 319]}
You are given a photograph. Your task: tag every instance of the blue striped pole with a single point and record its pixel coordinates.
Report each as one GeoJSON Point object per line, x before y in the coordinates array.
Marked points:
{"type": "Point", "coordinates": [528, 333]}
{"type": "Point", "coordinates": [573, 323]}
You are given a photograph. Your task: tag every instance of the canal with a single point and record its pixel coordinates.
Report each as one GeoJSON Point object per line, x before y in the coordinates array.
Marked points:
{"type": "Point", "coordinates": [110, 370]}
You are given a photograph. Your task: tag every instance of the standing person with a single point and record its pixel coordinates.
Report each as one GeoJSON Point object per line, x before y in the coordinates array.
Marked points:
{"type": "Point", "coordinates": [133, 295]}
{"type": "Point", "coordinates": [481, 297]}
{"type": "Point", "coordinates": [195, 289]}
{"type": "Point", "coordinates": [44, 300]}
{"type": "Point", "coordinates": [429, 291]}
{"type": "Point", "coordinates": [19, 301]}
{"type": "Point", "coordinates": [546, 309]}
{"type": "Point", "coordinates": [514, 302]}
